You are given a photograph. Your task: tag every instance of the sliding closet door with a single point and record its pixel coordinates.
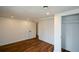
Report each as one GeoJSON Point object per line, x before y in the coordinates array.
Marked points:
{"type": "Point", "coordinates": [70, 32]}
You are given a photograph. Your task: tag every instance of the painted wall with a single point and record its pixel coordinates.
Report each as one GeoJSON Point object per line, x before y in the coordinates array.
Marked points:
{"type": "Point", "coordinates": [57, 25]}
{"type": "Point", "coordinates": [46, 30]}
{"type": "Point", "coordinates": [70, 32]}
{"type": "Point", "coordinates": [57, 33]}
{"type": "Point", "coordinates": [12, 30]}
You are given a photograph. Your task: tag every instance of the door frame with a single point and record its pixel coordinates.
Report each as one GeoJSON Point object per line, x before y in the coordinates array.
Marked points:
{"type": "Point", "coordinates": [57, 28]}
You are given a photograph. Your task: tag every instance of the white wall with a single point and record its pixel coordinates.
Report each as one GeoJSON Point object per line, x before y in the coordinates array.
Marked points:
{"type": "Point", "coordinates": [12, 30]}
{"type": "Point", "coordinates": [57, 28]}
{"type": "Point", "coordinates": [46, 30]}
{"type": "Point", "coordinates": [70, 32]}
{"type": "Point", "coordinates": [57, 33]}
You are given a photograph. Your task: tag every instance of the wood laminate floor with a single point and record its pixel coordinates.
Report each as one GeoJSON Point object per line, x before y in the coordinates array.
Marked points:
{"type": "Point", "coordinates": [31, 45]}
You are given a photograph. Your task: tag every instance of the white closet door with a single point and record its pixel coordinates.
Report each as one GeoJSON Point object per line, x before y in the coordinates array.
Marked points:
{"type": "Point", "coordinates": [70, 32]}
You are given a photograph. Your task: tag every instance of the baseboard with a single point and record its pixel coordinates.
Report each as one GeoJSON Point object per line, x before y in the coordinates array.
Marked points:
{"type": "Point", "coordinates": [17, 42]}
{"type": "Point", "coordinates": [64, 50]}
{"type": "Point", "coordinates": [47, 42]}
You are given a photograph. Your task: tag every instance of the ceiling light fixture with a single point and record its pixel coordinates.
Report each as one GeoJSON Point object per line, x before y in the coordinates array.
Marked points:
{"type": "Point", "coordinates": [45, 7]}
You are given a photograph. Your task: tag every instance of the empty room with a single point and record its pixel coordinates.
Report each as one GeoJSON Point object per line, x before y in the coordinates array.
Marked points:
{"type": "Point", "coordinates": [39, 28]}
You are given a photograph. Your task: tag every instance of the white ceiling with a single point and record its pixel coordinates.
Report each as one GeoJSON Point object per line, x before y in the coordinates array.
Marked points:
{"type": "Point", "coordinates": [32, 12]}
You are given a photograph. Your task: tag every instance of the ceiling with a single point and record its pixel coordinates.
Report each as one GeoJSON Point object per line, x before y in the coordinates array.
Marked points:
{"type": "Point", "coordinates": [32, 12]}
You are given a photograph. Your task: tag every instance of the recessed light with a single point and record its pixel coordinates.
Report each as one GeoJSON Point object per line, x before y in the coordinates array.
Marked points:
{"type": "Point", "coordinates": [27, 18]}
{"type": "Point", "coordinates": [12, 16]}
{"type": "Point", "coordinates": [47, 13]}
